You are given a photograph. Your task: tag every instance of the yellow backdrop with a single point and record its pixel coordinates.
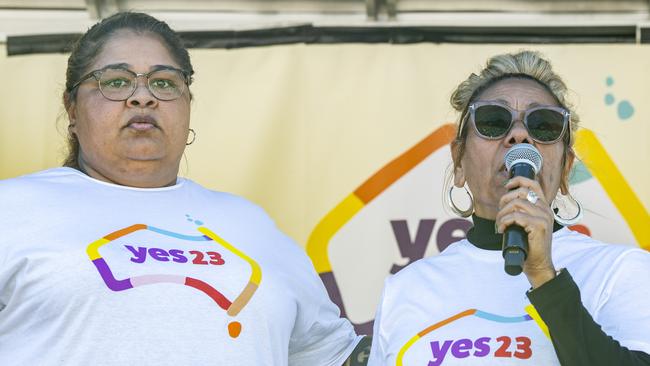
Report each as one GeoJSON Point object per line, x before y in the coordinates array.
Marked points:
{"type": "Point", "coordinates": [298, 129]}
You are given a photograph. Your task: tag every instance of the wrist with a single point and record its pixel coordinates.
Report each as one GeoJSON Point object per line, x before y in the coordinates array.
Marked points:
{"type": "Point", "coordinates": [538, 278]}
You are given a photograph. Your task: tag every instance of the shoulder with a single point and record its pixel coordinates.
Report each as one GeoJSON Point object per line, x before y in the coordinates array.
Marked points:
{"type": "Point", "coordinates": [235, 205]}
{"type": "Point", "coordinates": [244, 216]}
{"type": "Point", "coordinates": [41, 176]}
{"type": "Point", "coordinates": [598, 268]}
{"type": "Point", "coordinates": [428, 269]}
{"type": "Point", "coordinates": [576, 247]}
{"type": "Point", "coordinates": [32, 184]}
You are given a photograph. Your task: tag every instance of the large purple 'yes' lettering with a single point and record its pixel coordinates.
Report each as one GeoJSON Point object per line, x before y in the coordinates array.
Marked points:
{"type": "Point", "coordinates": [482, 347]}
{"type": "Point", "coordinates": [461, 348]}
{"type": "Point", "coordinates": [159, 254]}
{"type": "Point", "coordinates": [447, 230]}
{"type": "Point", "coordinates": [139, 255]}
{"type": "Point", "coordinates": [178, 256]}
{"type": "Point", "coordinates": [439, 353]}
{"type": "Point", "coordinates": [413, 250]}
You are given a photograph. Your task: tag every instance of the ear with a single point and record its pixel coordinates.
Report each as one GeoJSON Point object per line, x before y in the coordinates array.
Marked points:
{"type": "Point", "coordinates": [569, 158]}
{"type": "Point", "coordinates": [70, 109]}
{"type": "Point", "coordinates": [459, 173]}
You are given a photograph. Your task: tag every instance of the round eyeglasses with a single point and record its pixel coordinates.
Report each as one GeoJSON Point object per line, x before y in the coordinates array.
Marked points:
{"type": "Point", "coordinates": [118, 84]}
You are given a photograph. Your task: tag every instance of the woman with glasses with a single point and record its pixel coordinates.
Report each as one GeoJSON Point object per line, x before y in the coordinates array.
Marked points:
{"type": "Point", "coordinates": [115, 260]}
{"type": "Point", "coordinates": [578, 302]}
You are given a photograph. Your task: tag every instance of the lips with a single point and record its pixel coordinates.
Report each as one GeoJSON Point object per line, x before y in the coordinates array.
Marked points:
{"type": "Point", "coordinates": [142, 123]}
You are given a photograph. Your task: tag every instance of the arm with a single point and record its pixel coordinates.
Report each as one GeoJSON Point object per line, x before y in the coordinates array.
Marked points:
{"type": "Point", "coordinates": [320, 336]}
{"type": "Point", "coordinates": [578, 340]}
{"type": "Point", "coordinates": [359, 356]}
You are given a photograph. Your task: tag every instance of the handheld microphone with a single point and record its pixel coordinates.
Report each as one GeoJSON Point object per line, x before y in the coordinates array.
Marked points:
{"type": "Point", "coordinates": [522, 160]}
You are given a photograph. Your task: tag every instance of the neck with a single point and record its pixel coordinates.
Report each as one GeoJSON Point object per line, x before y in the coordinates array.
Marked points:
{"type": "Point", "coordinates": [146, 176]}
{"type": "Point", "coordinates": [483, 234]}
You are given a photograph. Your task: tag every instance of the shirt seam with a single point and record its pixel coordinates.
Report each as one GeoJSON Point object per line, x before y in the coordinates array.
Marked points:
{"type": "Point", "coordinates": [180, 182]}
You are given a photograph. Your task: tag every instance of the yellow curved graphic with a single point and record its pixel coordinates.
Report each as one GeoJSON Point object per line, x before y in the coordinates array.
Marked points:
{"type": "Point", "coordinates": [399, 360]}
{"type": "Point", "coordinates": [320, 237]}
{"type": "Point", "coordinates": [587, 146]}
{"type": "Point", "coordinates": [253, 282]}
{"type": "Point", "coordinates": [602, 167]}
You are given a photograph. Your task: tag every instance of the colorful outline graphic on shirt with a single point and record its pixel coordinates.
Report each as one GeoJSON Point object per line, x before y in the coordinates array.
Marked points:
{"type": "Point", "coordinates": [590, 150]}
{"type": "Point", "coordinates": [531, 315]}
{"type": "Point", "coordinates": [232, 307]}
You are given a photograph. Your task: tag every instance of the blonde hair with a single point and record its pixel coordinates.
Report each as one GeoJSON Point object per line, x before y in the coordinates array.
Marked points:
{"type": "Point", "coordinates": [523, 65]}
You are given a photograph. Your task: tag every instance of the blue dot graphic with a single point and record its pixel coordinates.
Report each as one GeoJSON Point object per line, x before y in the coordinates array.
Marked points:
{"type": "Point", "coordinates": [609, 81]}
{"type": "Point", "coordinates": [625, 110]}
{"type": "Point", "coordinates": [579, 173]}
{"type": "Point", "coordinates": [609, 99]}
{"type": "Point", "coordinates": [190, 219]}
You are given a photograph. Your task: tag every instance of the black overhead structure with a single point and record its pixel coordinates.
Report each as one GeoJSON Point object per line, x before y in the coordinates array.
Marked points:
{"type": "Point", "coordinates": [51, 26]}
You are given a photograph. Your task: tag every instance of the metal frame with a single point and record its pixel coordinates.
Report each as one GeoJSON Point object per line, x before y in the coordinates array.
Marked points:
{"type": "Point", "coordinates": [312, 21]}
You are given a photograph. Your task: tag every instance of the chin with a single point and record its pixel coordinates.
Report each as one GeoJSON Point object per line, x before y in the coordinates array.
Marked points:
{"type": "Point", "coordinates": [145, 151]}
{"type": "Point", "coordinates": [145, 156]}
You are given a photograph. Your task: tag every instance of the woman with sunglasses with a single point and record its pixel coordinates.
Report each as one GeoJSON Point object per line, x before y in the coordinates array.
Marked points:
{"type": "Point", "coordinates": [115, 260]}
{"type": "Point", "coordinates": [578, 302]}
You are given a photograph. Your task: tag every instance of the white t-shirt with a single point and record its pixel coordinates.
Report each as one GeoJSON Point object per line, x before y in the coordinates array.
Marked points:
{"type": "Point", "coordinates": [461, 308]}
{"type": "Point", "coordinates": [93, 273]}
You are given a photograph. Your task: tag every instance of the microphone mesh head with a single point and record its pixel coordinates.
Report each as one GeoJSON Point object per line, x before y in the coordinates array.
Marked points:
{"type": "Point", "coordinates": [523, 153]}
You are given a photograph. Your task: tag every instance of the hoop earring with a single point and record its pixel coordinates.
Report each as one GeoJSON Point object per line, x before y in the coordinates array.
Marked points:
{"type": "Point", "coordinates": [462, 213]}
{"type": "Point", "coordinates": [559, 204]}
{"type": "Point", "coordinates": [193, 138]}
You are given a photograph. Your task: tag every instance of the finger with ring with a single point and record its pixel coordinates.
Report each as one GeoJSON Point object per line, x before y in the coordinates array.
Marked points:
{"type": "Point", "coordinates": [532, 196]}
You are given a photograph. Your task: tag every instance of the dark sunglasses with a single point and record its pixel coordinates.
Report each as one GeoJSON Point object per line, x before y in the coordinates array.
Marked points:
{"type": "Point", "coordinates": [491, 120]}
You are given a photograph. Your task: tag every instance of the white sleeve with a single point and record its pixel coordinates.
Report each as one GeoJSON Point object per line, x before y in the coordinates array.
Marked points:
{"type": "Point", "coordinates": [4, 287]}
{"type": "Point", "coordinates": [377, 355]}
{"type": "Point", "coordinates": [320, 336]}
{"type": "Point", "coordinates": [6, 282]}
{"type": "Point", "coordinates": [625, 306]}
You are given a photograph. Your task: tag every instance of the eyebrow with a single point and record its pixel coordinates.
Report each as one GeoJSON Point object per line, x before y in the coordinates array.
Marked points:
{"type": "Point", "coordinates": [503, 101]}
{"type": "Point", "coordinates": [534, 104]}
{"type": "Point", "coordinates": [121, 65]}
{"type": "Point", "coordinates": [126, 66]}
{"type": "Point", "coordinates": [529, 106]}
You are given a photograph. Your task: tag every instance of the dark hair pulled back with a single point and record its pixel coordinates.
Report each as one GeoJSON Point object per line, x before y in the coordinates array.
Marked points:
{"type": "Point", "coordinates": [90, 45]}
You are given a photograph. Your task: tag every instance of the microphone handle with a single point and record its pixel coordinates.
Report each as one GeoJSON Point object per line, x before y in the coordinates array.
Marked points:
{"type": "Point", "coordinates": [515, 249]}
{"type": "Point", "coordinates": [515, 239]}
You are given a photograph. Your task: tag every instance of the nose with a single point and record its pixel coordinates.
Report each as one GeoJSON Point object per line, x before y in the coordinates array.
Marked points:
{"type": "Point", "coordinates": [518, 133]}
{"type": "Point", "coordinates": [142, 96]}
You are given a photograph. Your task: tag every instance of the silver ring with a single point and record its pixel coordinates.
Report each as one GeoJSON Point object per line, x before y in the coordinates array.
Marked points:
{"type": "Point", "coordinates": [532, 196]}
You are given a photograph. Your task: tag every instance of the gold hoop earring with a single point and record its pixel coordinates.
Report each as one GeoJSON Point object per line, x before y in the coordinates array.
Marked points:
{"type": "Point", "coordinates": [462, 213]}
{"type": "Point", "coordinates": [561, 205]}
{"type": "Point", "coordinates": [193, 138]}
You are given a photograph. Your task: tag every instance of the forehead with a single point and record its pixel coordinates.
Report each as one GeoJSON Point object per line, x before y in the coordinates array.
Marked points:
{"type": "Point", "coordinates": [518, 93]}
{"type": "Point", "coordinates": [140, 51]}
